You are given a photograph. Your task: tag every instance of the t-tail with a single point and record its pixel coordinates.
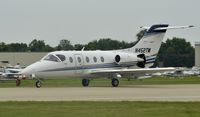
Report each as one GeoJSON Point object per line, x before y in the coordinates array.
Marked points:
{"type": "Point", "coordinates": [150, 43]}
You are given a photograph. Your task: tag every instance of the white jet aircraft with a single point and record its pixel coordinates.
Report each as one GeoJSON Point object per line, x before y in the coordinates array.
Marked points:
{"type": "Point", "coordinates": [112, 64]}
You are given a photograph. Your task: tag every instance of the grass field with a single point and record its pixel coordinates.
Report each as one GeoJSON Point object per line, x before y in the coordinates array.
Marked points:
{"type": "Point", "coordinates": [99, 109]}
{"type": "Point", "coordinates": [76, 82]}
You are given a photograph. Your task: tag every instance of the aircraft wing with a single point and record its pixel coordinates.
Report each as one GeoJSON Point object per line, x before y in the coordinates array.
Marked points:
{"type": "Point", "coordinates": [125, 72]}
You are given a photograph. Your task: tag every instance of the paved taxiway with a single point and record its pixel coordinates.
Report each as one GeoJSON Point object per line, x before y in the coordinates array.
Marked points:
{"type": "Point", "coordinates": [134, 93]}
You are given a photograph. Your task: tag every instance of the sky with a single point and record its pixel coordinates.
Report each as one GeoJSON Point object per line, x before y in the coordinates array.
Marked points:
{"type": "Point", "coordinates": [82, 21]}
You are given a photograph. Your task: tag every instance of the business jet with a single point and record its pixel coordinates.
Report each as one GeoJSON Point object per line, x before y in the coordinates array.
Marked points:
{"type": "Point", "coordinates": [113, 64]}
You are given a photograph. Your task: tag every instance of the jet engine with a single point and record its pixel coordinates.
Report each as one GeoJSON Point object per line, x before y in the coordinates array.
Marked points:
{"type": "Point", "coordinates": [141, 63]}
{"type": "Point", "coordinates": [129, 59]}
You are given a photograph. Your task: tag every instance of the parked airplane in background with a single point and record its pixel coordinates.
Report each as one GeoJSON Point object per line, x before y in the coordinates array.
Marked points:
{"type": "Point", "coordinates": [111, 64]}
{"type": "Point", "coordinates": [182, 72]}
{"type": "Point", "coordinates": [10, 73]}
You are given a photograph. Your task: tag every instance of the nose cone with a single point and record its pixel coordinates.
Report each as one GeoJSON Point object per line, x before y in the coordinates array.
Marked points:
{"type": "Point", "coordinates": [29, 70]}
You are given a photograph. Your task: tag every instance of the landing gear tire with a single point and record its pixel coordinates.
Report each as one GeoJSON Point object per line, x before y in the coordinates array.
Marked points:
{"type": "Point", "coordinates": [115, 82]}
{"type": "Point", "coordinates": [85, 82]}
{"type": "Point", "coordinates": [38, 84]}
{"type": "Point", "coordinates": [18, 82]}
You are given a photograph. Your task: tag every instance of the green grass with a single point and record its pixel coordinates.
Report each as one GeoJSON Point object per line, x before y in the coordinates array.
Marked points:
{"type": "Point", "coordinates": [99, 109]}
{"type": "Point", "coordinates": [102, 82]}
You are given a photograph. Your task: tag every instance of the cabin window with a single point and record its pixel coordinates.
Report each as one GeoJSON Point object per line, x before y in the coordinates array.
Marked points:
{"type": "Point", "coordinates": [79, 59]}
{"type": "Point", "coordinates": [70, 59]}
{"type": "Point", "coordinates": [95, 59]}
{"type": "Point", "coordinates": [51, 57]}
{"type": "Point", "coordinates": [102, 59]}
{"type": "Point", "coordinates": [87, 59]}
{"type": "Point", "coordinates": [61, 57]}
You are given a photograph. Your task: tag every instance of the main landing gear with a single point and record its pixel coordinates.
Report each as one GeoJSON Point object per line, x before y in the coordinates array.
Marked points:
{"type": "Point", "coordinates": [115, 82]}
{"type": "Point", "coordinates": [85, 82]}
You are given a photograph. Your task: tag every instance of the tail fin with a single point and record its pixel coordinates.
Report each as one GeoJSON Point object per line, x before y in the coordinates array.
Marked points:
{"type": "Point", "coordinates": [151, 42]}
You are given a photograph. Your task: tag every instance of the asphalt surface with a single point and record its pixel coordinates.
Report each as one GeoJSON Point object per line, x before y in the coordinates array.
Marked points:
{"type": "Point", "coordinates": [135, 93]}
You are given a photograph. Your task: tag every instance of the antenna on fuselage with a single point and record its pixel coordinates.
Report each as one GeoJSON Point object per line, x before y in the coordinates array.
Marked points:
{"type": "Point", "coordinates": [83, 49]}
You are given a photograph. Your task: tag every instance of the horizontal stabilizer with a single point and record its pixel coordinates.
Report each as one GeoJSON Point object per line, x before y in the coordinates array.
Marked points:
{"type": "Point", "coordinates": [170, 27]}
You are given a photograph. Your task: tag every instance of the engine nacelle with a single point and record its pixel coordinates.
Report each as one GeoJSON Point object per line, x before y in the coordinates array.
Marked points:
{"type": "Point", "coordinates": [141, 63]}
{"type": "Point", "coordinates": [127, 59]}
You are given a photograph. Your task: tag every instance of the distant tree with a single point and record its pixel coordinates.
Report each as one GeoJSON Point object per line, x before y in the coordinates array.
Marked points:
{"type": "Point", "coordinates": [124, 44]}
{"type": "Point", "coordinates": [107, 44]}
{"type": "Point", "coordinates": [65, 45]}
{"type": "Point", "coordinates": [17, 47]}
{"type": "Point", "coordinates": [3, 47]}
{"type": "Point", "coordinates": [13, 47]}
{"type": "Point", "coordinates": [176, 52]}
{"type": "Point", "coordinates": [39, 46]}
{"type": "Point", "coordinates": [78, 46]}
{"type": "Point", "coordinates": [48, 48]}
{"type": "Point", "coordinates": [92, 45]}
{"type": "Point", "coordinates": [140, 34]}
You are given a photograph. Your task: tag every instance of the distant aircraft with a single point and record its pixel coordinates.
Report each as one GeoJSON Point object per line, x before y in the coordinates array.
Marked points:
{"type": "Point", "coordinates": [182, 72]}
{"type": "Point", "coordinates": [10, 72]}
{"type": "Point", "coordinates": [111, 64]}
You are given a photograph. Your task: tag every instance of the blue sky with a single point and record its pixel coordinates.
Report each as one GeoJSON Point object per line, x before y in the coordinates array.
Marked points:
{"type": "Point", "coordinates": [81, 21]}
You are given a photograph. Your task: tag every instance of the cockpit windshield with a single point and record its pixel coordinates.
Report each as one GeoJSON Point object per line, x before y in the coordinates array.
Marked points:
{"type": "Point", "coordinates": [61, 57]}
{"type": "Point", "coordinates": [51, 57]}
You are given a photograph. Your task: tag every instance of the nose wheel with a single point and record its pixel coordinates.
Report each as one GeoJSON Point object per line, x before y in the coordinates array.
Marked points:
{"type": "Point", "coordinates": [38, 84]}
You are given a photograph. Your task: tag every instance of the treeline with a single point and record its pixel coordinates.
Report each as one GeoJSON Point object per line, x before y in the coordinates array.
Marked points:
{"type": "Point", "coordinates": [175, 52]}
{"type": "Point", "coordinates": [40, 46]}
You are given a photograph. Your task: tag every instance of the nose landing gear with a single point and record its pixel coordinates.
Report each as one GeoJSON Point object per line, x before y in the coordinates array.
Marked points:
{"type": "Point", "coordinates": [38, 84]}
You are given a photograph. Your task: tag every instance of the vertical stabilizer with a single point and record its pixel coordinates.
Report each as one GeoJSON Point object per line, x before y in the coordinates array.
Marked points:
{"type": "Point", "coordinates": [150, 43]}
